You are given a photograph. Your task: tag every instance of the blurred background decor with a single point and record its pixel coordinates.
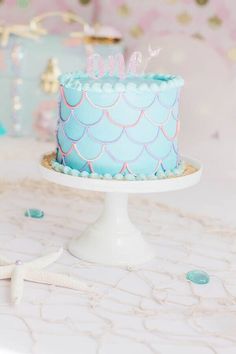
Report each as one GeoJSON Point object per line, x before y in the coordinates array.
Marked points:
{"type": "Point", "coordinates": [33, 58]}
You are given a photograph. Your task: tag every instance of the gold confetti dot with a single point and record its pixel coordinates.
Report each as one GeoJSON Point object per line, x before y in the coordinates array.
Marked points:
{"type": "Point", "coordinates": [84, 2]}
{"type": "Point", "coordinates": [124, 10]}
{"type": "Point", "coordinates": [136, 31]}
{"type": "Point", "coordinates": [198, 36]}
{"type": "Point", "coordinates": [201, 2]}
{"type": "Point", "coordinates": [214, 21]}
{"type": "Point", "coordinates": [184, 18]}
{"type": "Point", "coordinates": [172, 2]}
{"type": "Point", "coordinates": [232, 54]}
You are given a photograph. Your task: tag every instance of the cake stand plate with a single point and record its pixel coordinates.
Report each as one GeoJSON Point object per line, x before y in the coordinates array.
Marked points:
{"type": "Point", "coordinates": [113, 239]}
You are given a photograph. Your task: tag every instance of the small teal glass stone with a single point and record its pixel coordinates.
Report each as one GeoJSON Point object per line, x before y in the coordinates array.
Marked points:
{"type": "Point", "coordinates": [198, 277]}
{"type": "Point", "coordinates": [2, 130]}
{"type": "Point", "coordinates": [34, 213]}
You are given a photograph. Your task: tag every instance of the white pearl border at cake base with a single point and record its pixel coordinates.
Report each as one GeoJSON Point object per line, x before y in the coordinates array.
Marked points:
{"type": "Point", "coordinates": [113, 239]}
{"type": "Point", "coordinates": [178, 171]}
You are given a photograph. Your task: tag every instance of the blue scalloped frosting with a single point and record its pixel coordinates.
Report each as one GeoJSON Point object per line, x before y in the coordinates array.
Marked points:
{"type": "Point", "coordinates": [147, 82]}
{"type": "Point", "coordinates": [178, 171]}
{"type": "Point", "coordinates": [119, 126]}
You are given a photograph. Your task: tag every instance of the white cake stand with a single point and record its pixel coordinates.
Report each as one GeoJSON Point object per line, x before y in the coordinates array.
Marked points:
{"type": "Point", "coordinates": [113, 239]}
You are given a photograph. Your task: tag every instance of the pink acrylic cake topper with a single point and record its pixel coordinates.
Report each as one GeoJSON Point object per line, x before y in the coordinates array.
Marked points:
{"type": "Point", "coordinates": [97, 66]}
{"type": "Point", "coordinates": [134, 61]}
{"type": "Point", "coordinates": [116, 64]}
{"type": "Point", "coordinates": [152, 54]}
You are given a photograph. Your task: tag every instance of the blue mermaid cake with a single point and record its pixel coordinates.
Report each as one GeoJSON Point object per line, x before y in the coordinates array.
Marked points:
{"type": "Point", "coordinates": [119, 125]}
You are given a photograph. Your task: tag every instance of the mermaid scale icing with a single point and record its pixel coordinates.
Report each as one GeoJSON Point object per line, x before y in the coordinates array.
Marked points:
{"type": "Point", "coordinates": [115, 126]}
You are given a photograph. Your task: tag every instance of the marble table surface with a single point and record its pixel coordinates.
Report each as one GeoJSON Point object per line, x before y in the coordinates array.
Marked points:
{"type": "Point", "coordinates": [137, 310]}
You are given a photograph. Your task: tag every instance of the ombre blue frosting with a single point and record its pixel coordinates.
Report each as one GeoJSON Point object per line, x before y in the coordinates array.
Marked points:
{"type": "Point", "coordinates": [119, 126]}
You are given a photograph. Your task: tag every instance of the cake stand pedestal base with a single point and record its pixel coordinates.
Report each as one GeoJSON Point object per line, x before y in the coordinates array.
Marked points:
{"type": "Point", "coordinates": [112, 239]}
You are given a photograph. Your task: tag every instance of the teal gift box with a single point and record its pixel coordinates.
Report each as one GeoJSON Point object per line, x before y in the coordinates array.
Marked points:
{"type": "Point", "coordinates": [30, 62]}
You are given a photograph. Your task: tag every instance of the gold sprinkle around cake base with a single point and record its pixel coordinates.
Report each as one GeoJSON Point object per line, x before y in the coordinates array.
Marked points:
{"type": "Point", "coordinates": [47, 162]}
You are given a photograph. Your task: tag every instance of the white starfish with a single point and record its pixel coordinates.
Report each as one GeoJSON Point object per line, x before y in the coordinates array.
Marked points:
{"type": "Point", "coordinates": [32, 271]}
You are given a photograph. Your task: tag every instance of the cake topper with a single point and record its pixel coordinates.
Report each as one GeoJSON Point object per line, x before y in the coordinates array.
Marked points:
{"type": "Point", "coordinates": [152, 54]}
{"type": "Point", "coordinates": [97, 66]}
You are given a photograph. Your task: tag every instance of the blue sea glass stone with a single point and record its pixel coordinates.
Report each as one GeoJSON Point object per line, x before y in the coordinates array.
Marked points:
{"type": "Point", "coordinates": [198, 277]}
{"type": "Point", "coordinates": [34, 213]}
